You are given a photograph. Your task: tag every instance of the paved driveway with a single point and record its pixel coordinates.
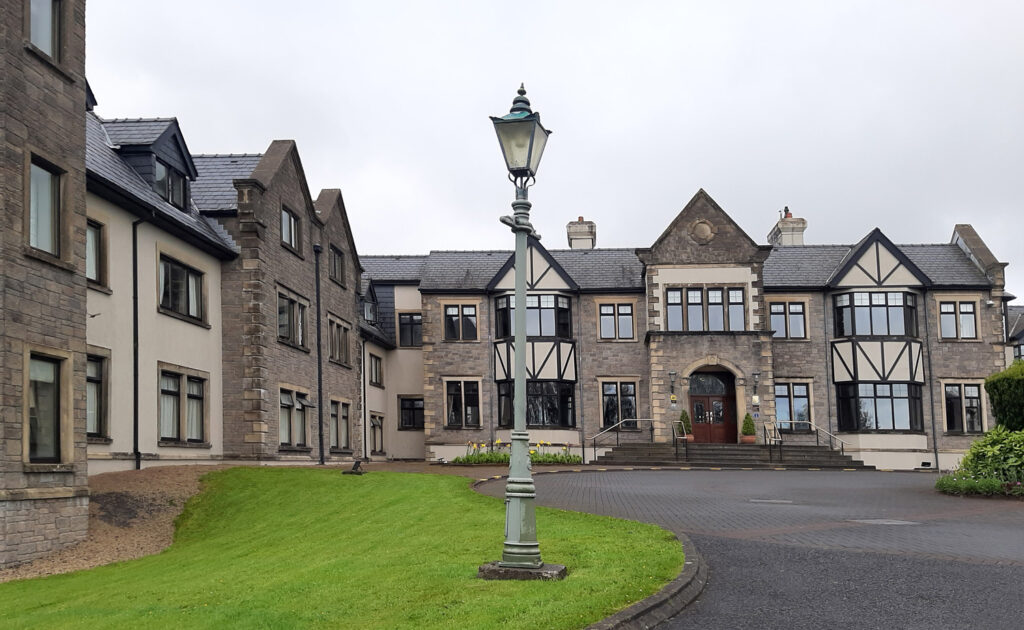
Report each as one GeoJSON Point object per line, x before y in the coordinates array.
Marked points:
{"type": "Point", "coordinates": [819, 550]}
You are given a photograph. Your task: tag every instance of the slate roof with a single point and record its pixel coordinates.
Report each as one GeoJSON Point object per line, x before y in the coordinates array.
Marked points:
{"type": "Point", "coordinates": [213, 189]}
{"type": "Point", "coordinates": [103, 162]}
{"type": "Point", "coordinates": [812, 265]}
{"type": "Point", "coordinates": [1015, 322]}
{"type": "Point", "coordinates": [602, 268]}
{"type": "Point", "coordinates": [393, 268]}
{"type": "Point", "coordinates": [592, 269]}
{"type": "Point", "coordinates": [131, 131]}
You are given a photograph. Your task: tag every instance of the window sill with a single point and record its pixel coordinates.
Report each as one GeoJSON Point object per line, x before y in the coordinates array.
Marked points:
{"type": "Point", "coordinates": [462, 428]}
{"type": "Point", "coordinates": [47, 257]}
{"type": "Point", "coordinates": [293, 250]}
{"type": "Point", "coordinates": [100, 288]}
{"type": "Point", "coordinates": [98, 439]}
{"type": "Point", "coordinates": [963, 433]}
{"type": "Point", "coordinates": [286, 342]}
{"type": "Point", "coordinates": [401, 347]}
{"type": "Point", "coordinates": [287, 448]}
{"type": "Point", "coordinates": [49, 61]}
{"type": "Point", "coordinates": [380, 453]}
{"type": "Point", "coordinates": [410, 428]}
{"type": "Point", "coordinates": [183, 444]}
{"type": "Point", "coordinates": [341, 451]}
{"type": "Point", "coordinates": [185, 318]}
{"type": "Point", "coordinates": [460, 341]}
{"type": "Point", "coordinates": [338, 282]}
{"type": "Point", "coordinates": [347, 366]}
{"type": "Point", "coordinates": [803, 339]}
{"type": "Point", "coordinates": [48, 468]}
{"type": "Point", "coordinates": [959, 340]}
{"type": "Point", "coordinates": [377, 385]}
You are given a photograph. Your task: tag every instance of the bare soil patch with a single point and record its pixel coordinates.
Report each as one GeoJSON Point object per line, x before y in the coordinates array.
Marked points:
{"type": "Point", "coordinates": [131, 515]}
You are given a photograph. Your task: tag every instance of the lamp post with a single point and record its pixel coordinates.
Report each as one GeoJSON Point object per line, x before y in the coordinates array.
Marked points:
{"type": "Point", "coordinates": [522, 140]}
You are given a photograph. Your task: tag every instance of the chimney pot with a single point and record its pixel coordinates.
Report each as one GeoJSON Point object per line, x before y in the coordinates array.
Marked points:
{"type": "Point", "coordinates": [581, 234]}
{"type": "Point", "coordinates": [788, 231]}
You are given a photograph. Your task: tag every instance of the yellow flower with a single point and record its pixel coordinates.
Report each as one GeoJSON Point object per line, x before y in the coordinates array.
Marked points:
{"type": "Point", "coordinates": [498, 441]}
{"type": "Point", "coordinates": [565, 448]}
{"type": "Point", "coordinates": [532, 451]}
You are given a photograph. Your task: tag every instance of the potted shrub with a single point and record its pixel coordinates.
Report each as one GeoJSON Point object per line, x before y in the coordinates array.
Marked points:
{"type": "Point", "coordinates": [684, 420]}
{"type": "Point", "coordinates": [748, 432]}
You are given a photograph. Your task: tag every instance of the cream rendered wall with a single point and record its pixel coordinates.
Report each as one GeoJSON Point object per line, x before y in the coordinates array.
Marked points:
{"type": "Point", "coordinates": [162, 338]}
{"type": "Point", "coordinates": [375, 400]}
{"type": "Point", "coordinates": [671, 277]}
{"type": "Point", "coordinates": [404, 379]}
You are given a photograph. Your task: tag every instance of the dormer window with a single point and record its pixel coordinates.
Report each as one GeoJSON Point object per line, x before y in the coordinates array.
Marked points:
{"type": "Point", "coordinates": [370, 311]}
{"type": "Point", "coordinates": [170, 184]}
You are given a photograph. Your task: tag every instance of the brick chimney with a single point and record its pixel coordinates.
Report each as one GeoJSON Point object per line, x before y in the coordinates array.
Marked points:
{"type": "Point", "coordinates": [788, 231]}
{"type": "Point", "coordinates": [582, 234]}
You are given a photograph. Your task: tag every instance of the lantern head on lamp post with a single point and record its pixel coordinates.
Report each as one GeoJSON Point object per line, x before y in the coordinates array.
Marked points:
{"type": "Point", "coordinates": [522, 139]}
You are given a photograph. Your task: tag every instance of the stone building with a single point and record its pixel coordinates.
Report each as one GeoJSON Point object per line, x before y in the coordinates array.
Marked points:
{"type": "Point", "coordinates": [882, 346]}
{"type": "Point", "coordinates": [275, 409]}
{"type": "Point", "coordinates": [43, 94]}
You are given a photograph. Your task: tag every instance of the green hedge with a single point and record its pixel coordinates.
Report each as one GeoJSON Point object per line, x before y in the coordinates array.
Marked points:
{"type": "Point", "coordinates": [1006, 395]}
{"type": "Point", "coordinates": [993, 465]}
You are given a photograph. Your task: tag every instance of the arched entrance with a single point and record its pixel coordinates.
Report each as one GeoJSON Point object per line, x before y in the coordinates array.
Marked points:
{"type": "Point", "coordinates": [713, 407]}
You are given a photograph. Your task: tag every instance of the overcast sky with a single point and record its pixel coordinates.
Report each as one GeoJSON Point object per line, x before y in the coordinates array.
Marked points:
{"type": "Point", "coordinates": [908, 116]}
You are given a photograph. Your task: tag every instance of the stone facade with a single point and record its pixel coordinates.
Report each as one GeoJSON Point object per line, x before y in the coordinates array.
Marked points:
{"type": "Point", "coordinates": [705, 252]}
{"type": "Point", "coordinates": [43, 505]}
{"type": "Point", "coordinates": [259, 363]}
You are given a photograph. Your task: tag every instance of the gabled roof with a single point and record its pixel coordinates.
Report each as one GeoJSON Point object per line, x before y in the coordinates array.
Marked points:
{"type": "Point", "coordinates": [590, 269]}
{"type": "Point", "coordinates": [214, 189]}
{"type": "Point", "coordinates": [811, 266]}
{"type": "Point", "coordinates": [1015, 323]}
{"type": "Point", "coordinates": [853, 257]}
{"type": "Point", "coordinates": [110, 177]}
{"type": "Point", "coordinates": [134, 134]}
{"type": "Point", "coordinates": [729, 244]}
{"type": "Point", "coordinates": [510, 264]}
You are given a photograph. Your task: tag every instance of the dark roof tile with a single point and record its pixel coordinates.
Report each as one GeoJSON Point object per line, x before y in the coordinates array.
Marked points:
{"type": "Point", "coordinates": [103, 162]}
{"type": "Point", "coordinates": [136, 131]}
{"type": "Point", "coordinates": [213, 189]}
{"type": "Point", "coordinates": [812, 265]}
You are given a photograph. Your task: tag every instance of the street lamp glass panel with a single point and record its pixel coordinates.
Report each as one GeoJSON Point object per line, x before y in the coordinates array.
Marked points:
{"type": "Point", "coordinates": [540, 139]}
{"type": "Point", "coordinates": [515, 137]}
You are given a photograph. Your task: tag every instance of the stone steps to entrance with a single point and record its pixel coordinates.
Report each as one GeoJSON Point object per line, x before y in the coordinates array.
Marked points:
{"type": "Point", "coordinates": [728, 456]}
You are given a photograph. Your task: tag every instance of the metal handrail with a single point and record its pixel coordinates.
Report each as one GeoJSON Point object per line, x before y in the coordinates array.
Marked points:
{"type": "Point", "coordinates": [817, 435]}
{"type": "Point", "coordinates": [772, 438]}
{"type": "Point", "coordinates": [680, 437]}
{"type": "Point", "coordinates": [594, 437]}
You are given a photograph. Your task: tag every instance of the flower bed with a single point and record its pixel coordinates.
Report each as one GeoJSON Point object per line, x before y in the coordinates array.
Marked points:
{"type": "Point", "coordinates": [498, 452]}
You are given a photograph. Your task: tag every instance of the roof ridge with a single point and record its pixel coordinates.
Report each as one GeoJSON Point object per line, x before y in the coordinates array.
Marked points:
{"type": "Point", "coordinates": [225, 155]}
{"type": "Point", "coordinates": [153, 119]}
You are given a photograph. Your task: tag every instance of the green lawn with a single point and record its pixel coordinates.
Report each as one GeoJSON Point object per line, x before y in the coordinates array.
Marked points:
{"type": "Point", "coordinates": [300, 548]}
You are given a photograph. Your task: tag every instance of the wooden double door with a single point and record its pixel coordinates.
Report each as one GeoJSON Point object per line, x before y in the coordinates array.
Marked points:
{"type": "Point", "coordinates": [713, 418]}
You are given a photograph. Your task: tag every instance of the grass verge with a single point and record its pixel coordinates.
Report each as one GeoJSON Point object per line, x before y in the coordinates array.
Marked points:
{"type": "Point", "coordinates": [300, 548]}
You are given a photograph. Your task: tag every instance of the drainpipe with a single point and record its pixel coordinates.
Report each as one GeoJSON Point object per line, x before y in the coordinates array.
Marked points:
{"type": "Point", "coordinates": [362, 386]}
{"type": "Point", "coordinates": [828, 361]}
{"type": "Point", "coordinates": [135, 343]}
{"type": "Point", "coordinates": [578, 337]}
{"type": "Point", "coordinates": [319, 355]}
{"type": "Point", "coordinates": [931, 378]}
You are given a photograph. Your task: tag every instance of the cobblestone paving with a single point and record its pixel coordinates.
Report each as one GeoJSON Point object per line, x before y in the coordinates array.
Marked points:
{"type": "Point", "coordinates": [823, 549]}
